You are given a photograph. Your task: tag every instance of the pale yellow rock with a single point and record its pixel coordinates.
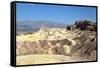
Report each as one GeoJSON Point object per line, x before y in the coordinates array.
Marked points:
{"type": "Point", "coordinates": [67, 49]}
{"type": "Point", "coordinates": [50, 34]}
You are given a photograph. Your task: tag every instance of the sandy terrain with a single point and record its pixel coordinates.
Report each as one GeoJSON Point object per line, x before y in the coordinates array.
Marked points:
{"type": "Point", "coordinates": [46, 58]}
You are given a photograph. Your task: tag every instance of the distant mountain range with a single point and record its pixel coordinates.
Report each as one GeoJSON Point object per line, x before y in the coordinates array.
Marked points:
{"type": "Point", "coordinates": [27, 26]}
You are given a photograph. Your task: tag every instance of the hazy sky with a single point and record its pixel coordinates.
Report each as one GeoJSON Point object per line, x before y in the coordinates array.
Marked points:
{"type": "Point", "coordinates": [64, 14]}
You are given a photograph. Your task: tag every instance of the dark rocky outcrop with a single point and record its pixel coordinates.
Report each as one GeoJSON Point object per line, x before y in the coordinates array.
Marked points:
{"type": "Point", "coordinates": [85, 25]}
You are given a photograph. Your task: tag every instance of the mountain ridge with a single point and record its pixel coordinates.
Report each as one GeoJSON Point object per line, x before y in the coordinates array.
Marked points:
{"type": "Point", "coordinates": [27, 25]}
